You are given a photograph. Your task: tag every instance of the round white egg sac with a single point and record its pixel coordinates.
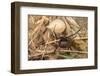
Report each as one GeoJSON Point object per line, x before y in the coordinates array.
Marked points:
{"type": "Point", "coordinates": [58, 26]}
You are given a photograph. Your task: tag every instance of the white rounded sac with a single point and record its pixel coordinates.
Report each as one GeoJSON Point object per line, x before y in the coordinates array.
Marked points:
{"type": "Point", "coordinates": [58, 26]}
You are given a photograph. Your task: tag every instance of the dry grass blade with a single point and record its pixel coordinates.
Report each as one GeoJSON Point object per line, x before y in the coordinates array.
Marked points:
{"type": "Point", "coordinates": [52, 42]}
{"type": "Point", "coordinates": [74, 51]}
{"type": "Point", "coordinates": [81, 38]}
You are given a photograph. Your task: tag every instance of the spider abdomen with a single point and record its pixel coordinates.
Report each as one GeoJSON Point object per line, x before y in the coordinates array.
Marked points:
{"type": "Point", "coordinates": [63, 42]}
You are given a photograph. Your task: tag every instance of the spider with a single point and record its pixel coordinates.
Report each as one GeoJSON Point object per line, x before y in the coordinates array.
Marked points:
{"type": "Point", "coordinates": [65, 41]}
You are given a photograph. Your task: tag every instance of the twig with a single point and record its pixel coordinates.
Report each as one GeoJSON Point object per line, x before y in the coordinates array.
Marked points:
{"type": "Point", "coordinates": [47, 51]}
{"type": "Point", "coordinates": [72, 22]}
{"type": "Point", "coordinates": [44, 52]}
{"type": "Point", "coordinates": [52, 42]}
{"type": "Point", "coordinates": [74, 51]}
{"type": "Point", "coordinates": [81, 38]}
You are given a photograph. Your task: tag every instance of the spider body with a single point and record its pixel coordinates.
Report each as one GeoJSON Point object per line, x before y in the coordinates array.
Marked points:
{"type": "Point", "coordinates": [64, 42]}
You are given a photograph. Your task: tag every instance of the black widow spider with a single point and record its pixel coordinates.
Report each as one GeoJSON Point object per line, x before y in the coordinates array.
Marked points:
{"type": "Point", "coordinates": [65, 41]}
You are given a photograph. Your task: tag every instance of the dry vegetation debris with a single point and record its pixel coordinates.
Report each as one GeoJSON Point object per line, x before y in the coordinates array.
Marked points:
{"type": "Point", "coordinates": [45, 33]}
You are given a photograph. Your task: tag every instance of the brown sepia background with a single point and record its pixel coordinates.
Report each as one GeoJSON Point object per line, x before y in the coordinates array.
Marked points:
{"type": "Point", "coordinates": [46, 33]}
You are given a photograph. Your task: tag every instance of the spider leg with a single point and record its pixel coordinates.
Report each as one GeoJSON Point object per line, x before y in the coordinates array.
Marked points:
{"type": "Point", "coordinates": [74, 33]}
